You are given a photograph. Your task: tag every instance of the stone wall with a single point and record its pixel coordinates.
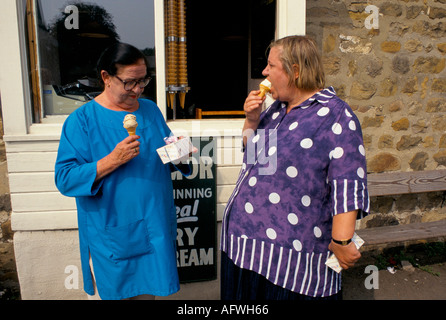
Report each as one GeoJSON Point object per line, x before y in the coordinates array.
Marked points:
{"type": "Point", "coordinates": [9, 286]}
{"type": "Point", "coordinates": [391, 70]}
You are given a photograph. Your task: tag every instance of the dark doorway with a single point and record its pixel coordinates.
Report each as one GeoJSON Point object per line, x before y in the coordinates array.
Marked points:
{"type": "Point", "coordinates": [223, 38]}
{"type": "Point", "coordinates": [218, 51]}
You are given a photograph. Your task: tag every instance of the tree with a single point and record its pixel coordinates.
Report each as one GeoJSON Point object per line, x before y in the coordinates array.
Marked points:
{"type": "Point", "coordinates": [81, 46]}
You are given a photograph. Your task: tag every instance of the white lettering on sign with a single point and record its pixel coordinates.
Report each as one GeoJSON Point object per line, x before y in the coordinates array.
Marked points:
{"type": "Point", "coordinates": [201, 168]}
{"type": "Point", "coordinates": [187, 213]}
{"type": "Point", "coordinates": [195, 257]}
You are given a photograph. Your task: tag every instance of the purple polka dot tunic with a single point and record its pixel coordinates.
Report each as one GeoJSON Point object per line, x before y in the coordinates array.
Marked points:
{"type": "Point", "coordinates": [299, 170]}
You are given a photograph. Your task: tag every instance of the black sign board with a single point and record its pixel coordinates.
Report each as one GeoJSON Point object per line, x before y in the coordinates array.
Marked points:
{"type": "Point", "coordinates": [195, 201]}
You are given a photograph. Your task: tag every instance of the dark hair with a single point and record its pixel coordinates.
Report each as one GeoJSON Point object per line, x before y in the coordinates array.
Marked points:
{"type": "Point", "coordinates": [118, 54]}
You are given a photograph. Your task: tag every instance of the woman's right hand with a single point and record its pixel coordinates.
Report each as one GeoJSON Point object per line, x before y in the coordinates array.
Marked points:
{"type": "Point", "coordinates": [253, 109]}
{"type": "Point", "coordinates": [253, 106]}
{"type": "Point", "coordinates": [124, 151]}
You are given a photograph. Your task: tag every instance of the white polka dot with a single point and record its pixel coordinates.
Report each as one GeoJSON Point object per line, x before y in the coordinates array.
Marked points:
{"type": "Point", "coordinates": [272, 151]}
{"type": "Point", "coordinates": [274, 198]}
{"type": "Point", "coordinates": [337, 153]}
{"type": "Point", "coordinates": [271, 234]}
{"type": "Point", "coordinates": [323, 111]}
{"type": "Point", "coordinates": [297, 245]}
{"type": "Point", "coordinates": [243, 166]}
{"type": "Point", "coordinates": [291, 172]}
{"type": "Point", "coordinates": [347, 113]}
{"type": "Point", "coordinates": [275, 115]}
{"type": "Point", "coordinates": [293, 219]}
{"type": "Point", "coordinates": [252, 181]}
{"type": "Point", "coordinates": [306, 201]}
{"type": "Point", "coordinates": [361, 150]}
{"type": "Point", "coordinates": [293, 126]}
{"type": "Point", "coordinates": [352, 125]}
{"type": "Point", "coordinates": [283, 105]}
{"type": "Point", "coordinates": [360, 172]}
{"type": "Point", "coordinates": [337, 129]}
{"type": "Point", "coordinates": [317, 232]}
{"type": "Point", "coordinates": [306, 143]}
{"type": "Point", "coordinates": [249, 208]}
{"type": "Point", "coordinates": [255, 139]}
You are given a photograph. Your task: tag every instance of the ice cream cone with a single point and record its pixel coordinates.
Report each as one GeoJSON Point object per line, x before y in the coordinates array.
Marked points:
{"type": "Point", "coordinates": [182, 99]}
{"type": "Point", "coordinates": [263, 91]}
{"type": "Point", "coordinates": [130, 124]}
{"type": "Point", "coordinates": [172, 99]}
{"type": "Point", "coordinates": [131, 131]}
{"type": "Point", "coordinates": [265, 87]}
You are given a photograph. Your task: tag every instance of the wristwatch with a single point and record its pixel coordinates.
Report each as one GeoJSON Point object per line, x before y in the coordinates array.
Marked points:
{"type": "Point", "coordinates": [342, 242]}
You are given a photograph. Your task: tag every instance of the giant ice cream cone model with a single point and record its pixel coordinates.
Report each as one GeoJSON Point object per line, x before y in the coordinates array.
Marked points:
{"type": "Point", "coordinates": [182, 52]}
{"type": "Point", "coordinates": [171, 29]}
{"type": "Point", "coordinates": [130, 124]}
{"type": "Point", "coordinates": [265, 87]}
{"type": "Point", "coordinates": [176, 52]}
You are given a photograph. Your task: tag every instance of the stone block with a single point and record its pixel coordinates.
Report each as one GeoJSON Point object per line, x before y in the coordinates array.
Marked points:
{"type": "Point", "coordinates": [408, 142]}
{"type": "Point", "coordinates": [390, 46]}
{"type": "Point", "coordinates": [429, 65]}
{"type": "Point", "coordinates": [402, 124]}
{"type": "Point", "coordinates": [383, 162]}
{"type": "Point", "coordinates": [407, 266]}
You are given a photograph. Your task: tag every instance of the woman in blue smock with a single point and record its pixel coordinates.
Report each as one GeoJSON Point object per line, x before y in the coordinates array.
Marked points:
{"type": "Point", "coordinates": [126, 213]}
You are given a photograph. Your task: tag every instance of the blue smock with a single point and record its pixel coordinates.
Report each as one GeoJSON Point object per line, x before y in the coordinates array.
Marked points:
{"type": "Point", "coordinates": [127, 220]}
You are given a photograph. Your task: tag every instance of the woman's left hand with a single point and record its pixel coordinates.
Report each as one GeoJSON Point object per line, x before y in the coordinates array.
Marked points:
{"type": "Point", "coordinates": [184, 159]}
{"type": "Point", "coordinates": [347, 255]}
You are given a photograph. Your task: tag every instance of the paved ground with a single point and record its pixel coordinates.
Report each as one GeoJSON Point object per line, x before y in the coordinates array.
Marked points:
{"type": "Point", "coordinates": [426, 281]}
{"type": "Point", "coordinates": [402, 285]}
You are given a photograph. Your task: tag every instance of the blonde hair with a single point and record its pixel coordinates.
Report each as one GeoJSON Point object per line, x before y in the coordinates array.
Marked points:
{"type": "Point", "coordinates": [301, 51]}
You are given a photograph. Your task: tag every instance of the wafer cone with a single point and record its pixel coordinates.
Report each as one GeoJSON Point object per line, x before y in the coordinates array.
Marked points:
{"type": "Point", "coordinates": [182, 99]}
{"type": "Point", "coordinates": [172, 99]}
{"type": "Point", "coordinates": [131, 131]}
{"type": "Point", "coordinates": [265, 87]}
{"type": "Point", "coordinates": [263, 90]}
{"type": "Point", "coordinates": [130, 124]}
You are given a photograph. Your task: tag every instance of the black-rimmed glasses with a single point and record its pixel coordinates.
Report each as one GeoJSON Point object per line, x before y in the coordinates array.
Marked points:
{"type": "Point", "coordinates": [131, 84]}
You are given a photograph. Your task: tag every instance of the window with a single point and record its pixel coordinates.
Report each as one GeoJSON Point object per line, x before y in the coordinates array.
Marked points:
{"type": "Point", "coordinates": [65, 41]}
{"type": "Point", "coordinates": [225, 50]}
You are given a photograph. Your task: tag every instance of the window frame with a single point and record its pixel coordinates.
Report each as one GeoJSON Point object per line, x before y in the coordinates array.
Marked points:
{"type": "Point", "coordinates": [16, 91]}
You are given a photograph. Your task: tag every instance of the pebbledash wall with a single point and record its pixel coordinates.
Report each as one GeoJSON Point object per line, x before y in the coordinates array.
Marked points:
{"type": "Point", "coordinates": [385, 58]}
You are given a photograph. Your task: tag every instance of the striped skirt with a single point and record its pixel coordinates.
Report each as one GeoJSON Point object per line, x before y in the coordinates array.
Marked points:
{"type": "Point", "coordinates": [242, 284]}
{"type": "Point", "coordinates": [301, 272]}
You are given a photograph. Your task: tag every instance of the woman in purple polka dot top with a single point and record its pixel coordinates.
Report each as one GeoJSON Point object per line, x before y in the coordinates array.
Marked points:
{"type": "Point", "coordinates": [302, 186]}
